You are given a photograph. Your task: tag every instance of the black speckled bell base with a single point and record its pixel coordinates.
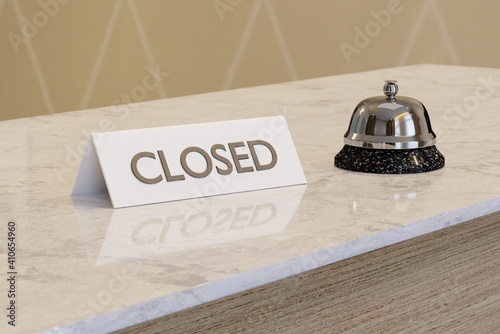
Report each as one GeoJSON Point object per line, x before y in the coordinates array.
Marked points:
{"type": "Point", "coordinates": [407, 161]}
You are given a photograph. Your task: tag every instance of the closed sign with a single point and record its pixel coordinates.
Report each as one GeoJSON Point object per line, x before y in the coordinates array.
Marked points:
{"type": "Point", "coordinates": [189, 161]}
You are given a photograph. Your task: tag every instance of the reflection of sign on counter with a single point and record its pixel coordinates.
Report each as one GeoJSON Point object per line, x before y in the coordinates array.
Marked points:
{"type": "Point", "coordinates": [146, 231]}
{"type": "Point", "coordinates": [180, 162]}
{"type": "Point", "coordinates": [195, 225]}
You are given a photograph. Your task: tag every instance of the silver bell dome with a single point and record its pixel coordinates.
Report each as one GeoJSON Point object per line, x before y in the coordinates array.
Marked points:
{"type": "Point", "coordinates": [390, 122]}
{"type": "Point", "coordinates": [390, 135]}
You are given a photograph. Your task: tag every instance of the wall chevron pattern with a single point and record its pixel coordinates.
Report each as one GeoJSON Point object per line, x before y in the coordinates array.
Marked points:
{"type": "Point", "coordinates": [63, 55]}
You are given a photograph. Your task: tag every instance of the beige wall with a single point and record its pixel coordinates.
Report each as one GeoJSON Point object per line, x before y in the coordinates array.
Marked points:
{"type": "Point", "coordinates": [61, 55]}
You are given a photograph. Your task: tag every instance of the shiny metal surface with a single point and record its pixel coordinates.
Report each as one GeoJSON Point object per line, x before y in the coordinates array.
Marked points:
{"type": "Point", "coordinates": [390, 122]}
{"type": "Point", "coordinates": [391, 89]}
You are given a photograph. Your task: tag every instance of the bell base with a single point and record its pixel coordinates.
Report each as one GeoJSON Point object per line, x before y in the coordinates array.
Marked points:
{"type": "Point", "coordinates": [378, 161]}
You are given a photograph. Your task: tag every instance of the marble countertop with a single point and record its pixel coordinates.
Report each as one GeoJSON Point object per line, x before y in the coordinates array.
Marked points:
{"type": "Point", "coordinates": [85, 267]}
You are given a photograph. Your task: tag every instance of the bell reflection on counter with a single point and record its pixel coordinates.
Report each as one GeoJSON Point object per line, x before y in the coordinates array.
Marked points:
{"type": "Point", "coordinates": [396, 202]}
{"type": "Point", "coordinates": [150, 230]}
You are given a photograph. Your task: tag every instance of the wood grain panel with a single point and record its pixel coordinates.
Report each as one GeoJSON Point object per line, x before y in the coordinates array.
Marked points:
{"type": "Point", "coordinates": [445, 281]}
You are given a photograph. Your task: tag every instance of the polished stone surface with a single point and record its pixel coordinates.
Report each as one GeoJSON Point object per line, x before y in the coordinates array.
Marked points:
{"type": "Point", "coordinates": [84, 267]}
